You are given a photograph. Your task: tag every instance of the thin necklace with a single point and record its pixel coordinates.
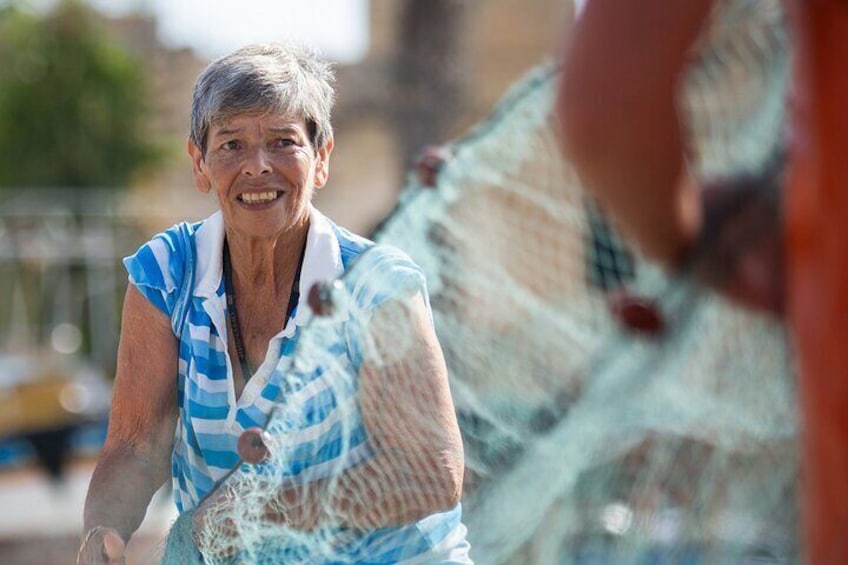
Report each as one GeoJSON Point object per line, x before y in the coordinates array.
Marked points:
{"type": "Point", "coordinates": [229, 289]}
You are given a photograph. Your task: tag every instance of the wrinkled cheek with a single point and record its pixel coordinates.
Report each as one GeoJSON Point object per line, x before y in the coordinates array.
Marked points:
{"type": "Point", "coordinates": [301, 199]}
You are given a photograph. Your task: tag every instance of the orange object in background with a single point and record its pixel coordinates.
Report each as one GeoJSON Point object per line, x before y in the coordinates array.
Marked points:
{"type": "Point", "coordinates": [817, 244]}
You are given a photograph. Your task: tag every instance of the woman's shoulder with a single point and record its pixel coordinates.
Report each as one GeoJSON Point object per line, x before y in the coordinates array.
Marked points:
{"type": "Point", "coordinates": [169, 246]}
{"type": "Point", "coordinates": [374, 271]}
{"type": "Point", "coordinates": [181, 239]}
{"type": "Point", "coordinates": [382, 273]}
{"type": "Point", "coordinates": [351, 245]}
{"type": "Point", "coordinates": [159, 267]}
{"type": "Point", "coordinates": [355, 247]}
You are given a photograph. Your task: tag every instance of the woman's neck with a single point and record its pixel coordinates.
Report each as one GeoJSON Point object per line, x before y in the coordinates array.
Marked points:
{"type": "Point", "coordinates": [267, 264]}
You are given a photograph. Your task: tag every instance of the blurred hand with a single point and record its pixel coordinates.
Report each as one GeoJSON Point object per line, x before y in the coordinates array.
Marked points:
{"type": "Point", "coordinates": [740, 253]}
{"type": "Point", "coordinates": [102, 546]}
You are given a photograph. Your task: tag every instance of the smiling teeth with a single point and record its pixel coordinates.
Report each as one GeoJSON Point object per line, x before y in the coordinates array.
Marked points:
{"type": "Point", "coordinates": [258, 197]}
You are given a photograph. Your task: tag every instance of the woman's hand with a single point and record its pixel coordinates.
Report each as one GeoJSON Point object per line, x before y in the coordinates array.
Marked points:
{"type": "Point", "coordinates": [101, 545]}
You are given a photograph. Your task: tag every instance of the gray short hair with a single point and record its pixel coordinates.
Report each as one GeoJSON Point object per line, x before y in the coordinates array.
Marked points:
{"type": "Point", "coordinates": [272, 77]}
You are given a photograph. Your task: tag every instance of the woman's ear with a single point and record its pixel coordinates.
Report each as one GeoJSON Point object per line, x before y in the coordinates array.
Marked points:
{"type": "Point", "coordinates": [322, 166]}
{"type": "Point", "coordinates": [198, 169]}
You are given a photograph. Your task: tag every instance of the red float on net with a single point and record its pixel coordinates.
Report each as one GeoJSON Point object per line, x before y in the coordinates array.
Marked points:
{"type": "Point", "coordinates": [251, 446]}
{"type": "Point", "coordinates": [637, 314]}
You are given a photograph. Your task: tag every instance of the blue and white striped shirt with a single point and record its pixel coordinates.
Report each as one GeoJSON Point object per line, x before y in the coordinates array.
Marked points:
{"type": "Point", "coordinates": [211, 419]}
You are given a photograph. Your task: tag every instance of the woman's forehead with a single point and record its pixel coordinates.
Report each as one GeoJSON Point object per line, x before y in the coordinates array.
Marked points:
{"type": "Point", "coordinates": [258, 120]}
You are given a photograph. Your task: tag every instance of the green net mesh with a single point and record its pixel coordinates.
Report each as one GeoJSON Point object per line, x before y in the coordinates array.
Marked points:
{"type": "Point", "coordinates": [585, 440]}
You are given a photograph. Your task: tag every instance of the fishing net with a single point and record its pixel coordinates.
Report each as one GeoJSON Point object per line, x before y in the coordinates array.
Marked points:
{"type": "Point", "coordinates": [355, 451]}
{"type": "Point", "coordinates": [610, 412]}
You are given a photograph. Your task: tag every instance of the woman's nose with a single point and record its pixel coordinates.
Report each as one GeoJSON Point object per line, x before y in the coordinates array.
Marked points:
{"type": "Point", "coordinates": [256, 163]}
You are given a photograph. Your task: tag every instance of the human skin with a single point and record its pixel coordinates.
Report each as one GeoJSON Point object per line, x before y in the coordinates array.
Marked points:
{"type": "Point", "coordinates": [619, 119]}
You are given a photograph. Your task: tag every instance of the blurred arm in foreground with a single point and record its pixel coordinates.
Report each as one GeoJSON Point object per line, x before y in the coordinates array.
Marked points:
{"type": "Point", "coordinates": [618, 112]}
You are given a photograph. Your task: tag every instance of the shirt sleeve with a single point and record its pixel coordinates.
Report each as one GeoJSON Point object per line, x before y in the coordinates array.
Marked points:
{"type": "Point", "coordinates": [157, 269]}
{"type": "Point", "coordinates": [381, 275]}
{"type": "Point", "coordinates": [384, 273]}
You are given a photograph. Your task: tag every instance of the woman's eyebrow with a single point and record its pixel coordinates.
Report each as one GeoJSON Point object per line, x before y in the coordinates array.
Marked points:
{"type": "Point", "coordinates": [283, 129]}
{"type": "Point", "coordinates": [226, 131]}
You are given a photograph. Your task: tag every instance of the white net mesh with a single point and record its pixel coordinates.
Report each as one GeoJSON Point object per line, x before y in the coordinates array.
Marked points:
{"type": "Point", "coordinates": [584, 441]}
{"type": "Point", "coordinates": [358, 461]}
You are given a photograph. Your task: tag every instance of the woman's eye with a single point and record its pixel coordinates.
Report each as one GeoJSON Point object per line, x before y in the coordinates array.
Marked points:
{"type": "Point", "coordinates": [282, 142]}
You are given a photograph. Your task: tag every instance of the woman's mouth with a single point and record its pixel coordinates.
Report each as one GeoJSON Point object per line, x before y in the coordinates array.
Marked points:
{"type": "Point", "coordinates": [256, 198]}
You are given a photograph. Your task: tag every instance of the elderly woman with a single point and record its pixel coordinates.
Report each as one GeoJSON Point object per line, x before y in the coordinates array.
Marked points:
{"type": "Point", "coordinates": [214, 308]}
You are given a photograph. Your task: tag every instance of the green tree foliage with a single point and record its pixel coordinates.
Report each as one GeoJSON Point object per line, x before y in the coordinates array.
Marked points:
{"type": "Point", "coordinates": [72, 101]}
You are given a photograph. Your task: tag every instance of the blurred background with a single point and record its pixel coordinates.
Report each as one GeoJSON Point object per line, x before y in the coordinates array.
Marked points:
{"type": "Point", "coordinates": [94, 111]}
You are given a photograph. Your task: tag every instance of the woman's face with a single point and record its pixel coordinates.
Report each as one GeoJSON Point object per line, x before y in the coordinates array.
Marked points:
{"type": "Point", "coordinates": [264, 169]}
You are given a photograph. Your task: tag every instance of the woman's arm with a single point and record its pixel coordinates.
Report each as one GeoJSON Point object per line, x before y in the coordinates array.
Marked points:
{"type": "Point", "coordinates": [409, 414]}
{"type": "Point", "coordinates": [135, 459]}
{"type": "Point", "coordinates": [619, 117]}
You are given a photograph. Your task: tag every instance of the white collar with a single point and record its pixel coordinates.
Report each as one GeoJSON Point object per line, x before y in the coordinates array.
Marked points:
{"type": "Point", "coordinates": [322, 258]}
